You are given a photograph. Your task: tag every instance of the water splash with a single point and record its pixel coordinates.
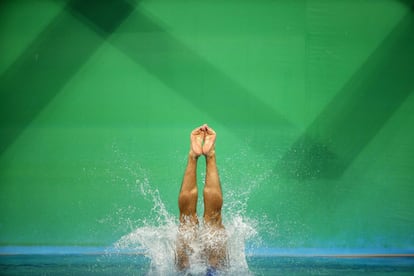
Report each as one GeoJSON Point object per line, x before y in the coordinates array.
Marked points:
{"type": "Point", "coordinates": [157, 238]}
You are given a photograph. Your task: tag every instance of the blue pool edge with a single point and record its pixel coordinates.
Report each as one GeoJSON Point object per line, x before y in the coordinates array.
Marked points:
{"type": "Point", "coordinates": [262, 251]}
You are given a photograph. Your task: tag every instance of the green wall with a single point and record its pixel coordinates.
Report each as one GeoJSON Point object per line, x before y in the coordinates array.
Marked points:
{"type": "Point", "coordinates": [312, 102]}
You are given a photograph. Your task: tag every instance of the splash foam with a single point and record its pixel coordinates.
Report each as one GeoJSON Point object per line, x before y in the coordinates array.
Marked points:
{"type": "Point", "coordinates": [157, 237]}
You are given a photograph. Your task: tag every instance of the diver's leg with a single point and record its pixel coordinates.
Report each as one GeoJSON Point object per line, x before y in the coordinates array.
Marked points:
{"type": "Point", "coordinates": [213, 201]}
{"type": "Point", "coordinates": [213, 198]}
{"type": "Point", "coordinates": [187, 201]}
{"type": "Point", "coordinates": [187, 204]}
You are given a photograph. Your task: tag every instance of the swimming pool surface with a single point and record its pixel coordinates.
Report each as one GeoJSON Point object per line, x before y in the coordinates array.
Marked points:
{"type": "Point", "coordinates": [138, 264]}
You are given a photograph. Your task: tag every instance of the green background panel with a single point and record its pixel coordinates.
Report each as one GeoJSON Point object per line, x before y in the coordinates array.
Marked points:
{"type": "Point", "coordinates": [312, 102]}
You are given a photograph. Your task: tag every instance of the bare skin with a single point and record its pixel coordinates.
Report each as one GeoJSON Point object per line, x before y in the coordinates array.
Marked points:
{"type": "Point", "coordinates": [202, 143]}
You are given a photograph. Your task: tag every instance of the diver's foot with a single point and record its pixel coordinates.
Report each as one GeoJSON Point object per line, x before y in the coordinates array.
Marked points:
{"type": "Point", "coordinates": [197, 138]}
{"type": "Point", "coordinates": [209, 141]}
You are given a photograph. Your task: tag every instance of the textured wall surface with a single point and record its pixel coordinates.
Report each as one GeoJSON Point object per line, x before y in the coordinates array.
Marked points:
{"type": "Point", "coordinates": [312, 102]}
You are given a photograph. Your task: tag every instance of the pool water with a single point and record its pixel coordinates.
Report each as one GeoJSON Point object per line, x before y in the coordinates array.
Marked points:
{"type": "Point", "coordinates": [330, 266]}
{"type": "Point", "coordinates": [130, 264]}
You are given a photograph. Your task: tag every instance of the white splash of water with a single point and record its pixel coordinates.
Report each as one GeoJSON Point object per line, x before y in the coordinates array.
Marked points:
{"type": "Point", "coordinates": [157, 238]}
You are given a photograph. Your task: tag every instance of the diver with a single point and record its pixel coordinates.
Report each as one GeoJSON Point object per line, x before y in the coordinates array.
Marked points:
{"type": "Point", "coordinates": [212, 236]}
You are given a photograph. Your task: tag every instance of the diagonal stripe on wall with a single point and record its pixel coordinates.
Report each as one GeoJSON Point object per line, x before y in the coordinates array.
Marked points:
{"type": "Point", "coordinates": [358, 111]}
{"type": "Point", "coordinates": [64, 46]}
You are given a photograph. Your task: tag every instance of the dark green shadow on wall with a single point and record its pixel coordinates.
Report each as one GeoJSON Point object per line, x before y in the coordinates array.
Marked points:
{"type": "Point", "coordinates": [51, 60]}
{"type": "Point", "coordinates": [408, 3]}
{"type": "Point", "coordinates": [104, 16]}
{"type": "Point", "coordinates": [358, 111]}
